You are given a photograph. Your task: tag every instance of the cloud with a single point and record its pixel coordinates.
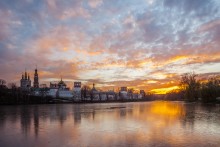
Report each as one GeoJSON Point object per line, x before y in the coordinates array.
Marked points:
{"type": "Point", "coordinates": [7, 22]}
{"type": "Point", "coordinates": [113, 43]}
{"type": "Point", "coordinates": [209, 25]}
{"type": "Point", "coordinates": [94, 3]}
{"type": "Point", "coordinates": [200, 7]}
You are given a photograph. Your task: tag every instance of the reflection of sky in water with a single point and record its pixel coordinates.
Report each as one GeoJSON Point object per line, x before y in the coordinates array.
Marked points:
{"type": "Point", "coordinates": [135, 124]}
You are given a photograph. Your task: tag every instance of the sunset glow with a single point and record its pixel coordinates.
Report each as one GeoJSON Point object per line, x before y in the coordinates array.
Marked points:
{"type": "Point", "coordinates": [143, 44]}
{"type": "Point", "coordinates": [164, 90]}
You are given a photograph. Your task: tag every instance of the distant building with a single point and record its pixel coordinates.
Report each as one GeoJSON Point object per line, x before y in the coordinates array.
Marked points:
{"type": "Point", "coordinates": [36, 82]}
{"type": "Point", "coordinates": [52, 93]}
{"type": "Point", "coordinates": [77, 86]}
{"type": "Point", "coordinates": [124, 89]}
{"type": "Point", "coordinates": [43, 85]}
{"type": "Point", "coordinates": [62, 84]}
{"type": "Point", "coordinates": [64, 93]}
{"type": "Point", "coordinates": [110, 95]}
{"type": "Point", "coordinates": [77, 90]}
{"type": "Point", "coordinates": [54, 85]}
{"type": "Point", "coordinates": [59, 89]}
{"type": "Point", "coordinates": [123, 93]}
{"type": "Point", "coordinates": [25, 82]}
{"type": "Point", "coordinates": [103, 96]}
{"type": "Point", "coordinates": [58, 85]}
{"type": "Point", "coordinates": [142, 92]}
{"type": "Point", "coordinates": [94, 93]}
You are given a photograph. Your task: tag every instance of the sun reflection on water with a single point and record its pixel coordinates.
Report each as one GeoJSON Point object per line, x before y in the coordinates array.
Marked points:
{"type": "Point", "coordinates": [167, 109]}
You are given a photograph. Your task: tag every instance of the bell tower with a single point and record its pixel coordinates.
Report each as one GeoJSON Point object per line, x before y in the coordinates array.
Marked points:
{"type": "Point", "coordinates": [36, 82]}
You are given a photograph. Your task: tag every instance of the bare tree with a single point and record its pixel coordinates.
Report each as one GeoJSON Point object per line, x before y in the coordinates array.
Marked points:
{"type": "Point", "coordinates": [85, 90]}
{"type": "Point", "coordinates": [190, 86]}
{"type": "Point", "coordinates": [210, 90]}
{"type": "Point", "coordinates": [2, 88]}
{"type": "Point", "coordinates": [2, 82]}
{"type": "Point", "coordinates": [12, 85]}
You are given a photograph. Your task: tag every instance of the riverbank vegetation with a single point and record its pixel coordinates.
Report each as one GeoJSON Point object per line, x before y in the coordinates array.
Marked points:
{"type": "Point", "coordinates": [193, 88]}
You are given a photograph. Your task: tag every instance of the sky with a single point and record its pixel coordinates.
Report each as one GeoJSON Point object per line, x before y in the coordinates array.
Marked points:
{"type": "Point", "coordinates": [144, 44]}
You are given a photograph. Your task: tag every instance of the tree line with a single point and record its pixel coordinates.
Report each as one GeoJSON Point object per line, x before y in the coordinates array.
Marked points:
{"type": "Point", "coordinates": [191, 89]}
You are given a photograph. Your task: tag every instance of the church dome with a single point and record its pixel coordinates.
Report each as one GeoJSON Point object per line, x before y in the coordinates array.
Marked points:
{"type": "Point", "coordinates": [62, 83]}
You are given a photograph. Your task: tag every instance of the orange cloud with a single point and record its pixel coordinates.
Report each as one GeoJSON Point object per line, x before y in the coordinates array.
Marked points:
{"type": "Point", "coordinates": [164, 90]}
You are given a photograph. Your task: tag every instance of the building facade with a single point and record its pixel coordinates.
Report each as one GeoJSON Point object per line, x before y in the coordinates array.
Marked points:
{"type": "Point", "coordinates": [60, 90]}
{"type": "Point", "coordinates": [25, 82]}
{"type": "Point", "coordinates": [77, 90]}
{"type": "Point", "coordinates": [123, 93]}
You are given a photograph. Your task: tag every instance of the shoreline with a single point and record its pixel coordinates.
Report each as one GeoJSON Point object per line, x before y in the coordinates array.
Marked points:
{"type": "Point", "coordinates": [102, 102]}
{"type": "Point", "coordinates": [74, 102]}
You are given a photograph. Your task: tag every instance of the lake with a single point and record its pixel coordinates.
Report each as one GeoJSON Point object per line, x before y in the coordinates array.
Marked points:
{"type": "Point", "coordinates": [156, 123]}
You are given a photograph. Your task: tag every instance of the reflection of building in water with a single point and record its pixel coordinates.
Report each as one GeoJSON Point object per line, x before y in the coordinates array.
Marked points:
{"type": "Point", "coordinates": [25, 82]}
{"type": "Point", "coordinates": [36, 121]}
{"type": "Point", "coordinates": [25, 118]}
{"type": "Point", "coordinates": [123, 112]}
{"type": "Point", "coordinates": [77, 114]}
{"type": "Point", "coordinates": [77, 90]}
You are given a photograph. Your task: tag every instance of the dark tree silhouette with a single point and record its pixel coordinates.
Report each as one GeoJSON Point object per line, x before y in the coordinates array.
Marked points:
{"type": "Point", "coordinates": [190, 86]}
{"type": "Point", "coordinates": [210, 90]}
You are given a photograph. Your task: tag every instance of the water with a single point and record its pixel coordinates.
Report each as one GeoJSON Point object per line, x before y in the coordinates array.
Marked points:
{"type": "Point", "coordinates": [117, 124]}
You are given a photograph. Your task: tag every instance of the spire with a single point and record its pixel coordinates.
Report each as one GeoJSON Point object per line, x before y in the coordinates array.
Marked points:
{"type": "Point", "coordinates": [93, 85]}
{"type": "Point", "coordinates": [22, 75]}
{"type": "Point", "coordinates": [28, 77]}
{"type": "Point", "coordinates": [36, 69]}
{"type": "Point", "coordinates": [25, 74]}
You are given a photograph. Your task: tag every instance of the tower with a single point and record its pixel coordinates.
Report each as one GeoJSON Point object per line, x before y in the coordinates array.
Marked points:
{"type": "Point", "coordinates": [25, 81]}
{"type": "Point", "coordinates": [77, 90]}
{"type": "Point", "coordinates": [25, 75]}
{"type": "Point", "coordinates": [36, 82]}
